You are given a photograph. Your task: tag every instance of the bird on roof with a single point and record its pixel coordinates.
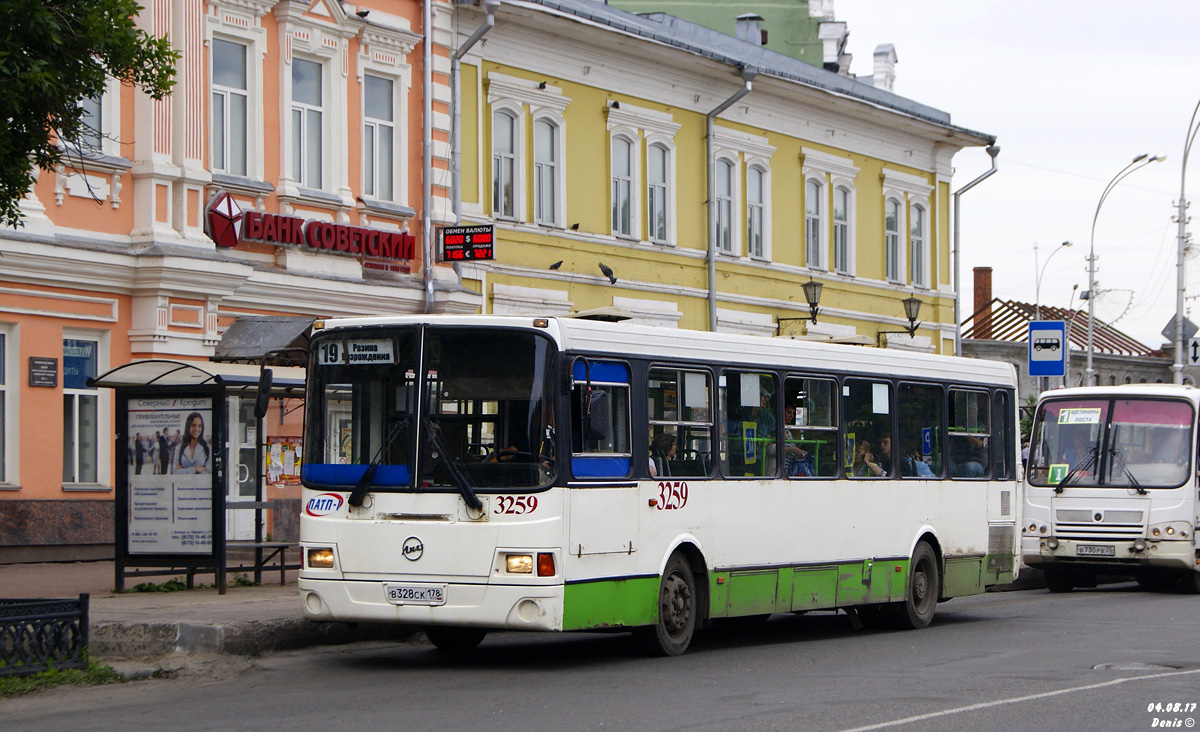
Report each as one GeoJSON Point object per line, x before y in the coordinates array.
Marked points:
{"type": "Point", "coordinates": [612, 279]}
{"type": "Point", "coordinates": [556, 265]}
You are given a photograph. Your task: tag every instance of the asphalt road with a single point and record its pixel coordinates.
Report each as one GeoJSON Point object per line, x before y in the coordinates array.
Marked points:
{"type": "Point", "coordinates": [1090, 660]}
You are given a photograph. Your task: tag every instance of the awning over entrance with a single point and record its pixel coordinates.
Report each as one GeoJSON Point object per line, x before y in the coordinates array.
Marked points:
{"type": "Point", "coordinates": [288, 380]}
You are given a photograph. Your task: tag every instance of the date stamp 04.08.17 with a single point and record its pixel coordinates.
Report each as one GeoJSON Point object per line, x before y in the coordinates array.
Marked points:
{"type": "Point", "coordinates": [1172, 715]}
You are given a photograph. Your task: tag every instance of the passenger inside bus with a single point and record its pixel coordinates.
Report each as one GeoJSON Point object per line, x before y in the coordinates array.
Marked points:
{"type": "Point", "coordinates": [662, 452]}
{"type": "Point", "coordinates": [968, 456]}
{"type": "Point", "coordinates": [864, 461]}
{"type": "Point", "coordinates": [797, 462]}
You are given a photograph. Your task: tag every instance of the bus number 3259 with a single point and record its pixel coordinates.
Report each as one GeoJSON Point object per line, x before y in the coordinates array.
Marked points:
{"type": "Point", "coordinates": [517, 505]}
{"type": "Point", "coordinates": [672, 495]}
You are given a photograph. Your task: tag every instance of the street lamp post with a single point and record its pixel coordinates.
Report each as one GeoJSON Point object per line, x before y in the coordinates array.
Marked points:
{"type": "Point", "coordinates": [1180, 273]}
{"type": "Point", "coordinates": [1037, 292]}
{"type": "Point", "coordinates": [1137, 163]}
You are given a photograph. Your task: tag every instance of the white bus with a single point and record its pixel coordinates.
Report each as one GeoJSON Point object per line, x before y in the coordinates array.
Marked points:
{"type": "Point", "coordinates": [1111, 486]}
{"type": "Point", "coordinates": [470, 473]}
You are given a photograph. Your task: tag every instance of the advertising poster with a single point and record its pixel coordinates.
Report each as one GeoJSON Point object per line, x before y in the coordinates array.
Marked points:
{"type": "Point", "coordinates": [170, 475]}
{"type": "Point", "coordinates": [283, 460]}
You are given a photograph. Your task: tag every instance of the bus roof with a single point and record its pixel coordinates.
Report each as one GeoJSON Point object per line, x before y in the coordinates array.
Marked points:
{"type": "Point", "coordinates": [624, 339]}
{"type": "Point", "coordinates": [1178, 391]}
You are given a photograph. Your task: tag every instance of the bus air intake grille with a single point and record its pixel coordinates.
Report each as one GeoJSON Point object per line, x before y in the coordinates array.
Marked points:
{"type": "Point", "coordinates": [1000, 548]}
{"type": "Point", "coordinates": [1099, 531]}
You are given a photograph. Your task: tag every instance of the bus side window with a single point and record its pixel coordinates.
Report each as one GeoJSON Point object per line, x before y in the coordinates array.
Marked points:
{"type": "Point", "coordinates": [970, 434]}
{"type": "Point", "coordinates": [920, 408]}
{"type": "Point", "coordinates": [749, 426]}
{"type": "Point", "coordinates": [810, 428]}
{"type": "Point", "coordinates": [600, 436]}
{"type": "Point", "coordinates": [680, 405]}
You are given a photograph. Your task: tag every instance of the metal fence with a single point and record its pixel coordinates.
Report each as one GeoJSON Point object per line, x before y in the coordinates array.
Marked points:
{"type": "Point", "coordinates": [36, 635]}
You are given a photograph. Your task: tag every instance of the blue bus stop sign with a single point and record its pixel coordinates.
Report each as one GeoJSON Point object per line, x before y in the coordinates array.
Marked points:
{"type": "Point", "coordinates": [1048, 348]}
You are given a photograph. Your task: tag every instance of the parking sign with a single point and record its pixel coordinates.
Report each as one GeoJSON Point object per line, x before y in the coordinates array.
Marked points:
{"type": "Point", "coordinates": [1048, 348]}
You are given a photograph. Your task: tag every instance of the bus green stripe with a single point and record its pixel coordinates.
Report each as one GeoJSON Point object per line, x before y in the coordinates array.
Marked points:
{"type": "Point", "coordinates": [631, 601]}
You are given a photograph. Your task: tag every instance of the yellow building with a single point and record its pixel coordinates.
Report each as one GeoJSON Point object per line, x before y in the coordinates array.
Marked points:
{"type": "Point", "coordinates": [585, 140]}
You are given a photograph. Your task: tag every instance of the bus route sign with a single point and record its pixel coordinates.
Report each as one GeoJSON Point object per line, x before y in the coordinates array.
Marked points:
{"type": "Point", "coordinates": [463, 243]}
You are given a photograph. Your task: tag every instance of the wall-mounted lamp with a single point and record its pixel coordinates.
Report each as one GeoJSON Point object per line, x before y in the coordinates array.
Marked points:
{"type": "Point", "coordinates": [912, 311]}
{"type": "Point", "coordinates": [812, 295]}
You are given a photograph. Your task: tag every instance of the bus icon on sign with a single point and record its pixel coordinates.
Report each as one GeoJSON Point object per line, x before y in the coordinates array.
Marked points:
{"type": "Point", "coordinates": [1050, 343]}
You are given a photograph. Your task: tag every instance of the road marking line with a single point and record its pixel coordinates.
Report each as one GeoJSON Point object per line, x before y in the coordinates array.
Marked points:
{"type": "Point", "coordinates": [1031, 697]}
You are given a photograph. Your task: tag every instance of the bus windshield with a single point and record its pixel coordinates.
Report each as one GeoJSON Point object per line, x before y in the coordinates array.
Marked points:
{"type": "Point", "coordinates": [1119, 443]}
{"type": "Point", "coordinates": [430, 408]}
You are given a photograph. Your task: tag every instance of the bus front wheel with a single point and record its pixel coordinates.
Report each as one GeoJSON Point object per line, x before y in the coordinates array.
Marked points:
{"type": "Point", "coordinates": [924, 587]}
{"type": "Point", "coordinates": [672, 633]}
{"type": "Point", "coordinates": [1058, 580]}
{"type": "Point", "coordinates": [454, 640]}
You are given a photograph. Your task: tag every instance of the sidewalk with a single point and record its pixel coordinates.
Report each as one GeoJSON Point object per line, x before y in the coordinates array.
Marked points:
{"type": "Point", "coordinates": [150, 625]}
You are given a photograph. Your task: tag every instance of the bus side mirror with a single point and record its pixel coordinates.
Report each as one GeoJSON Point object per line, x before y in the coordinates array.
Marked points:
{"type": "Point", "coordinates": [263, 400]}
{"type": "Point", "coordinates": [599, 421]}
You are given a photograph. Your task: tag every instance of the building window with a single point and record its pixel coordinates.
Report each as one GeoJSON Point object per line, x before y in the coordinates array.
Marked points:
{"type": "Point", "coordinates": [841, 229]}
{"type": "Point", "coordinates": [891, 238]}
{"type": "Point", "coordinates": [229, 107]}
{"type": "Point", "coordinates": [91, 131]}
{"type": "Point", "coordinates": [306, 122]}
{"type": "Point", "coordinates": [622, 186]}
{"type": "Point", "coordinates": [724, 200]}
{"type": "Point", "coordinates": [379, 137]}
{"type": "Point", "coordinates": [917, 247]}
{"type": "Point", "coordinates": [755, 179]}
{"type": "Point", "coordinates": [80, 415]}
{"type": "Point", "coordinates": [656, 191]}
{"type": "Point", "coordinates": [545, 172]}
{"type": "Point", "coordinates": [812, 223]}
{"type": "Point", "coordinates": [504, 163]}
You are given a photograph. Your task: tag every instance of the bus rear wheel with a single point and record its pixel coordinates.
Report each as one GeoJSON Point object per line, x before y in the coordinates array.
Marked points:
{"type": "Point", "coordinates": [924, 588]}
{"type": "Point", "coordinates": [672, 633]}
{"type": "Point", "coordinates": [454, 640]}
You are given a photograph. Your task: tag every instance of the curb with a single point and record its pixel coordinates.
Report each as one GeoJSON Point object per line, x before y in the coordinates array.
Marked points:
{"type": "Point", "coordinates": [128, 641]}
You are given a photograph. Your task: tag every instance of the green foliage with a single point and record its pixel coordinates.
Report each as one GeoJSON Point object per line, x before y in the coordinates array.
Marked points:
{"type": "Point", "coordinates": [1027, 410]}
{"type": "Point", "coordinates": [172, 585]}
{"type": "Point", "coordinates": [241, 580]}
{"type": "Point", "coordinates": [93, 675]}
{"type": "Point", "coordinates": [53, 55]}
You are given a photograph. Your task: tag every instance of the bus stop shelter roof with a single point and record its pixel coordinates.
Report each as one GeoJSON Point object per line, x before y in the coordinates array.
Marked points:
{"type": "Point", "coordinates": [287, 381]}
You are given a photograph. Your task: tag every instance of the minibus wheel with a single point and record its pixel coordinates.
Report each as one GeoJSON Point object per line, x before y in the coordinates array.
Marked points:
{"type": "Point", "coordinates": [1058, 580]}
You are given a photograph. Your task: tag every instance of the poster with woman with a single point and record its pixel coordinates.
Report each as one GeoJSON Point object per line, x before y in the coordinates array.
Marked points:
{"type": "Point", "coordinates": [170, 507]}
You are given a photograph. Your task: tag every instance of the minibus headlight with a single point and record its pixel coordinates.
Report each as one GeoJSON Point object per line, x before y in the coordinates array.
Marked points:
{"type": "Point", "coordinates": [320, 558]}
{"type": "Point", "coordinates": [518, 563]}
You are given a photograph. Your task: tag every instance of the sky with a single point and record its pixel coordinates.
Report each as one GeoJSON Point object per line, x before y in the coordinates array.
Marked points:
{"type": "Point", "coordinates": [1073, 90]}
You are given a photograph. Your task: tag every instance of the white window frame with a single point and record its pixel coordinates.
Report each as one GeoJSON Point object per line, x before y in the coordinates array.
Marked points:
{"type": "Point", "coordinates": [630, 182]}
{"type": "Point", "coordinates": [646, 127]}
{"type": "Point", "coordinates": [666, 188]}
{"type": "Point", "coordinates": [11, 409]}
{"type": "Point", "coordinates": [384, 54]}
{"type": "Point", "coordinates": [833, 171]}
{"type": "Point", "coordinates": [763, 209]}
{"type": "Point", "coordinates": [528, 101]}
{"type": "Point", "coordinates": [816, 218]}
{"type": "Point", "coordinates": [110, 122]}
{"type": "Point", "coordinates": [728, 229]}
{"type": "Point", "coordinates": [235, 22]}
{"type": "Point", "coordinates": [226, 92]}
{"type": "Point", "coordinates": [103, 410]}
{"type": "Point", "coordinates": [556, 177]}
{"type": "Point", "coordinates": [375, 168]}
{"type": "Point", "coordinates": [847, 229]}
{"type": "Point", "coordinates": [517, 114]}
{"type": "Point", "coordinates": [301, 168]}
{"type": "Point", "coordinates": [893, 240]}
{"type": "Point", "coordinates": [919, 244]}
{"type": "Point", "coordinates": [909, 190]}
{"type": "Point", "coordinates": [744, 150]}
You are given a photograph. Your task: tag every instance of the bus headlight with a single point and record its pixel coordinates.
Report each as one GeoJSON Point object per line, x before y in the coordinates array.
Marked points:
{"type": "Point", "coordinates": [320, 558]}
{"type": "Point", "coordinates": [518, 563]}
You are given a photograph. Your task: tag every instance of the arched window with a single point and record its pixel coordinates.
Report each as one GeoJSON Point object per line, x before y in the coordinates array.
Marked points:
{"type": "Point", "coordinates": [891, 239]}
{"type": "Point", "coordinates": [812, 223]}
{"type": "Point", "coordinates": [918, 254]}
{"type": "Point", "coordinates": [622, 186]}
{"type": "Point", "coordinates": [755, 198]}
{"type": "Point", "coordinates": [656, 191]}
{"type": "Point", "coordinates": [504, 164]}
{"type": "Point", "coordinates": [545, 172]}
{"type": "Point", "coordinates": [841, 229]}
{"type": "Point", "coordinates": [724, 201]}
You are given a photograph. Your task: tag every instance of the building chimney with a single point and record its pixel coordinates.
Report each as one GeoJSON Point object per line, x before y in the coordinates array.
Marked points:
{"type": "Point", "coordinates": [749, 29]}
{"type": "Point", "coordinates": [885, 67]}
{"type": "Point", "coordinates": [983, 303]}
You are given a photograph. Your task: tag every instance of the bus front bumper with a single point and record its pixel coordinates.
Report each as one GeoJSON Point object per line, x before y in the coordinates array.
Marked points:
{"type": "Point", "coordinates": [513, 607]}
{"type": "Point", "coordinates": [1040, 552]}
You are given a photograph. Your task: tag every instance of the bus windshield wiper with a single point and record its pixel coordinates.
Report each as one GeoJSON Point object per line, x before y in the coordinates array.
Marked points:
{"type": "Point", "coordinates": [1075, 471]}
{"type": "Point", "coordinates": [460, 481]}
{"type": "Point", "coordinates": [364, 483]}
{"type": "Point", "coordinates": [1134, 482]}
